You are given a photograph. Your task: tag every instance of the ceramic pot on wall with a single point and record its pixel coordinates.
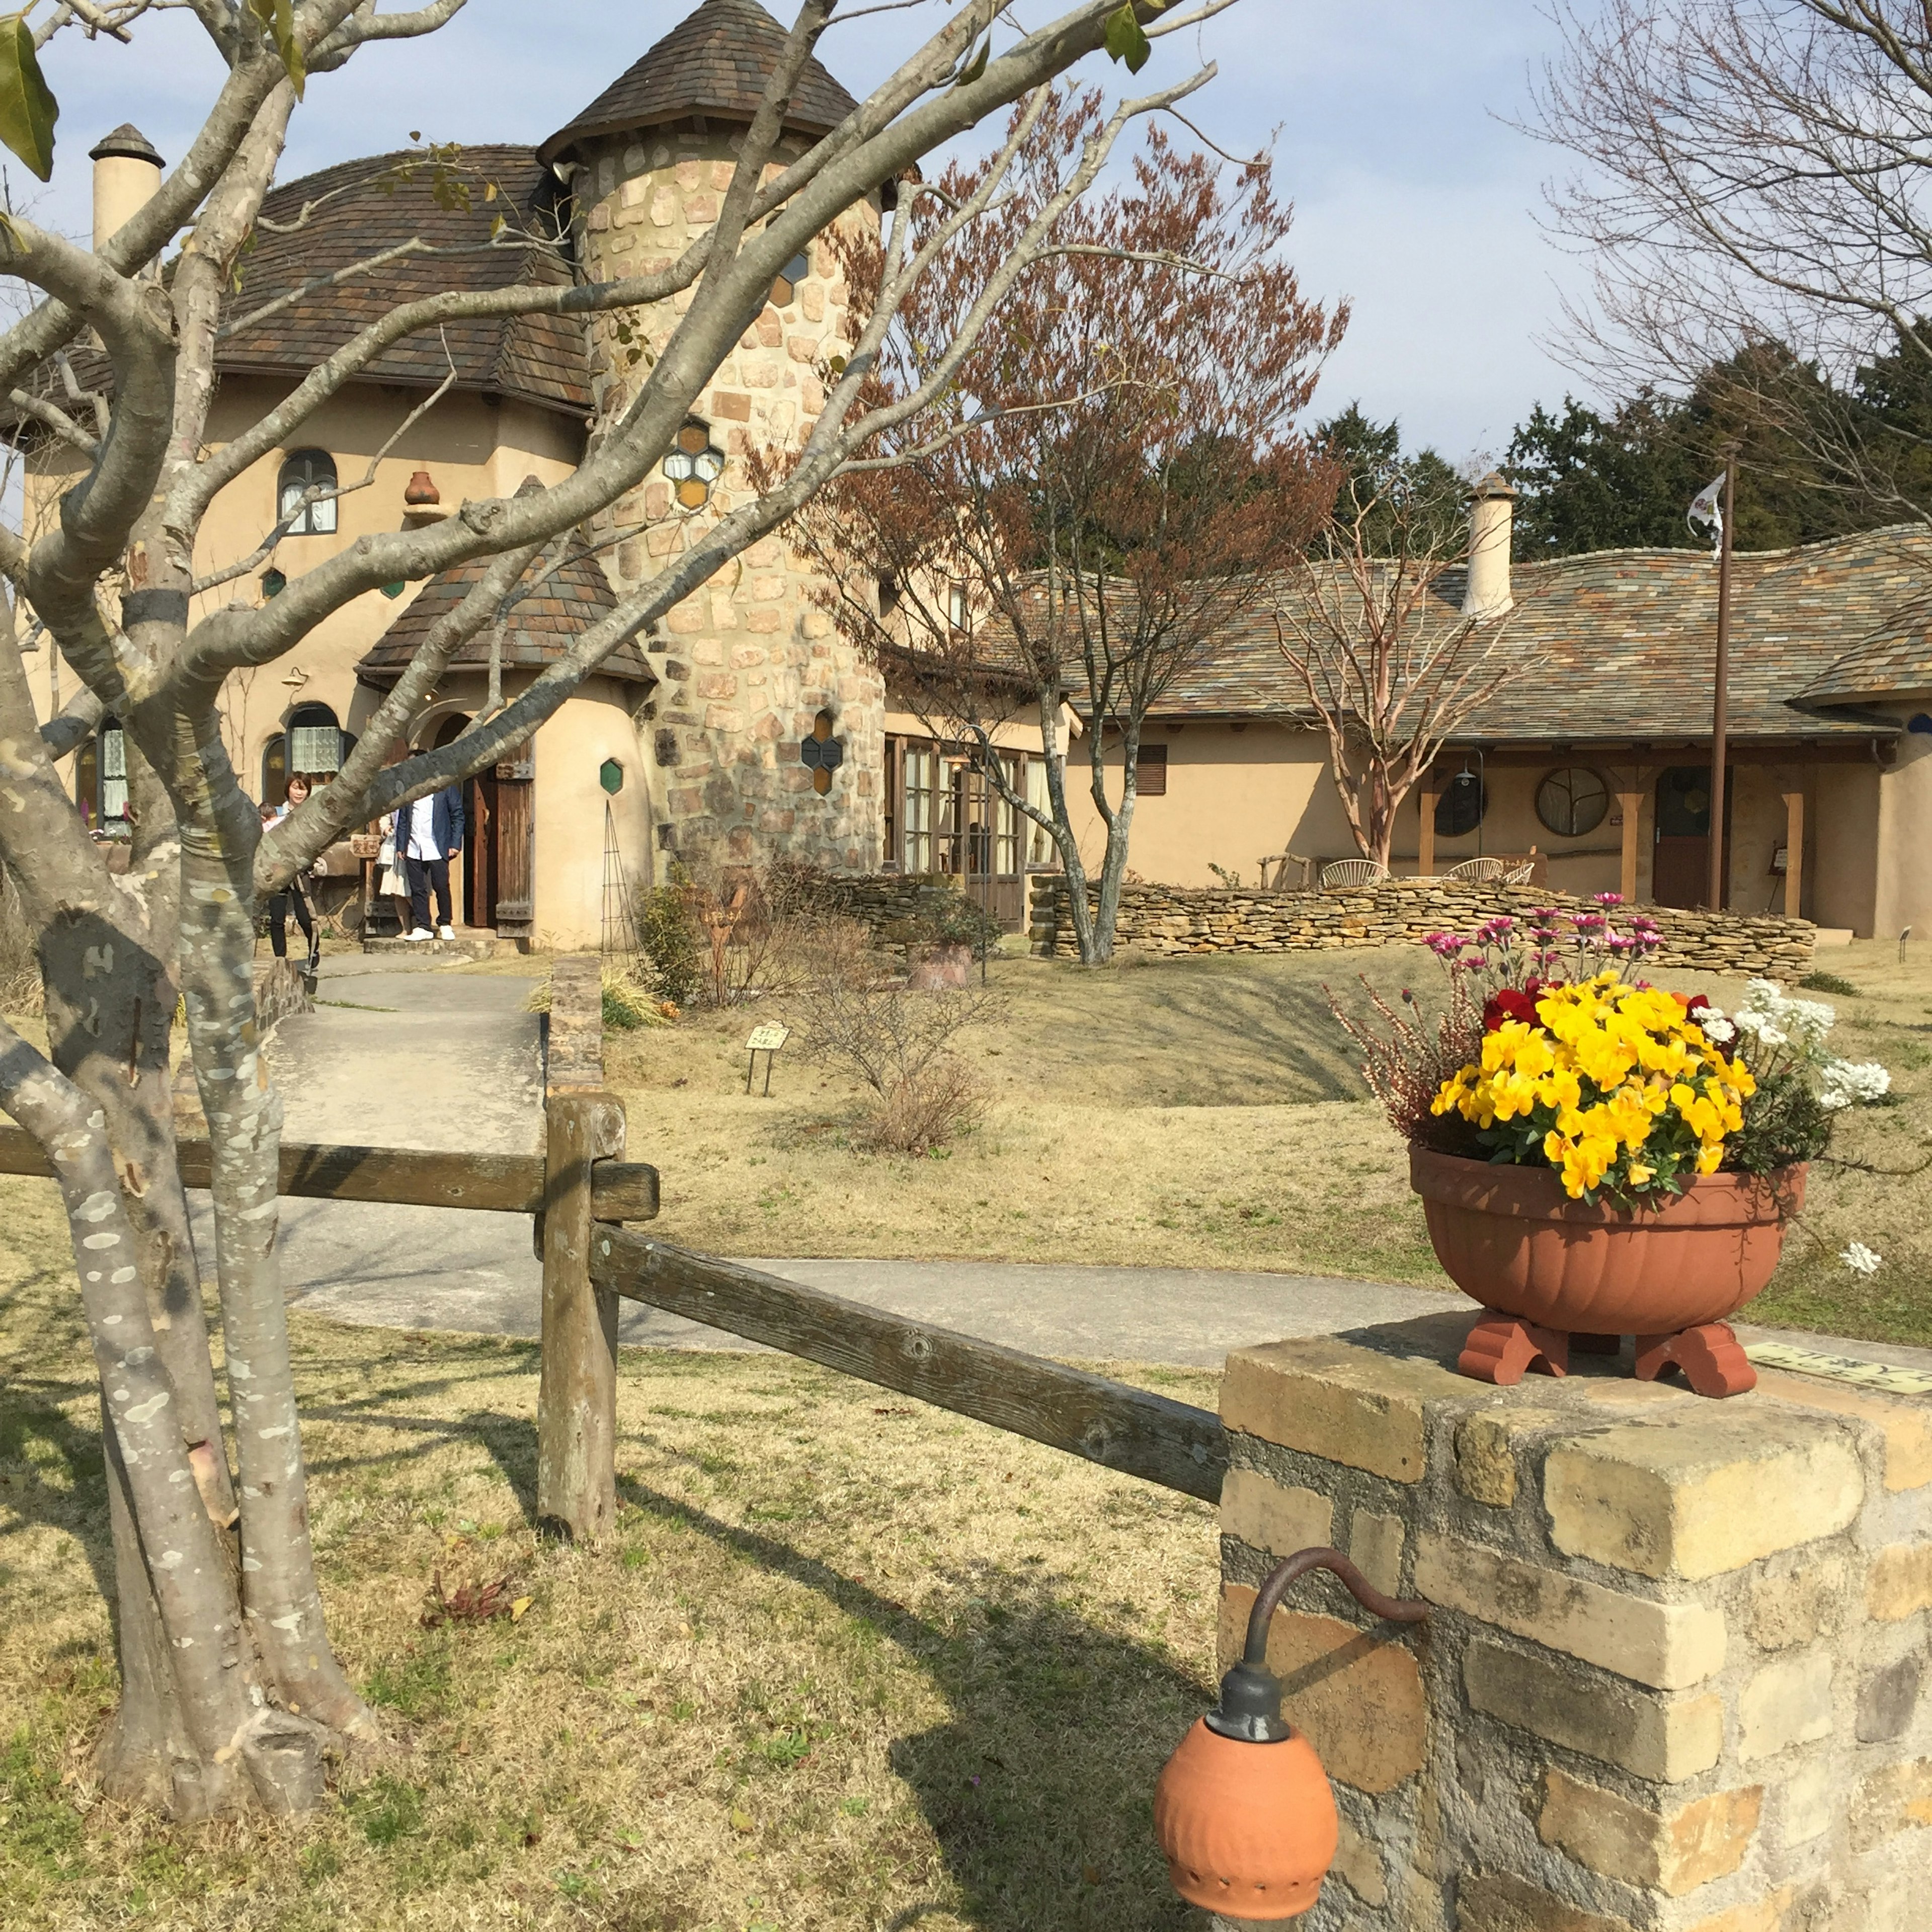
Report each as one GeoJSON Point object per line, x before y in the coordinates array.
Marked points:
{"type": "Point", "coordinates": [1548, 1269]}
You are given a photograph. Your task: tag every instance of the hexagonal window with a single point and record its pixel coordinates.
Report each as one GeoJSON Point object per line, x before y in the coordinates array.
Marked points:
{"type": "Point", "coordinates": [610, 776]}
{"type": "Point", "coordinates": [694, 465]}
{"type": "Point", "coordinates": [784, 284]}
{"type": "Point", "coordinates": [821, 754]}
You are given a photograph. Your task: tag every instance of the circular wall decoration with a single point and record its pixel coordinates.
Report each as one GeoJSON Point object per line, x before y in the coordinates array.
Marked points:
{"type": "Point", "coordinates": [821, 754]}
{"type": "Point", "coordinates": [1460, 808]}
{"type": "Point", "coordinates": [1572, 800]}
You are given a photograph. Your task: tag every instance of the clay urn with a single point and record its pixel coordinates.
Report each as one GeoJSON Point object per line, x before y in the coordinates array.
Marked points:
{"type": "Point", "coordinates": [421, 491]}
{"type": "Point", "coordinates": [1248, 1829]}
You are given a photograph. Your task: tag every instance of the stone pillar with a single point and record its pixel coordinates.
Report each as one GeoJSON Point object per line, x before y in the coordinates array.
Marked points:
{"type": "Point", "coordinates": [746, 665]}
{"type": "Point", "coordinates": [1677, 1676]}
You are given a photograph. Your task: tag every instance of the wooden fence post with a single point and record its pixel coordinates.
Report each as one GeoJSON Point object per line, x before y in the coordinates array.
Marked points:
{"type": "Point", "coordinates": [576, 1394]}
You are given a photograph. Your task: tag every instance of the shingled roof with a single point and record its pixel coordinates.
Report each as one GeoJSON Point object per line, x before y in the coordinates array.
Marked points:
{"type": "Point", "coordinates": [565, 603]}
{"type": "Point", "coordinates": [715, 61]}
{"type": "Point", "coordinates": [363, 207]}
{"type": "Point", "coordinates": [1619, 644]}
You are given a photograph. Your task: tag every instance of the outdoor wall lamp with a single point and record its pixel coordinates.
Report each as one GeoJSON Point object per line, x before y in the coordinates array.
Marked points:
{"type": "Point", "coordinates": [1244, 1811]}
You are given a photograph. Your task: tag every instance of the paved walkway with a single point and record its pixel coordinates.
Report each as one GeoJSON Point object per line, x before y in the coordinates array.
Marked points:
{"type": "Point", "coordinates": [400, 1053]}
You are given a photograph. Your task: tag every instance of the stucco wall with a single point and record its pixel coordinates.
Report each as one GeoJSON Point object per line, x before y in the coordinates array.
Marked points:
{"type": "Point", "coordinates": [1902, 862]}
{"type": "Point", "coordinates": [1845, 870]}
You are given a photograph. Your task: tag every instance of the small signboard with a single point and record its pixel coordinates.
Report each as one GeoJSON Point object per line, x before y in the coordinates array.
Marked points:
{"type": "Point", "coordinates": [1885, 1377]}
{"type": "Point", "coordinates": [766, 1039]}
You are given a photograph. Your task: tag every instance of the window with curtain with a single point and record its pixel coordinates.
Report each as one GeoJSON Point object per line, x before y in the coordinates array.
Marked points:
{"type": "Point", "coordinates": [922, 794]}
{"type": "Point", "coordinates": [100, 779]}
{"type": "Point", "coordinates": [1006, 827]}
{"type": "Point", "coordinates": [305, 470]}
{"type": "Point", "coordinates": [1040, 851]}
{"type": "Point", "coordinates": [315, 741]}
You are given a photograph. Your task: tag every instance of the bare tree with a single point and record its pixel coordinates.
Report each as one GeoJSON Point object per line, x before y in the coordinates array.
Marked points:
{"type": "Point", "coordinates": [1751, 191]}
{"type": "Point", "coordinates": [1078, 561]}
{"type": "Point", "coordinates": [1392, 667]}
{"type": "Point", "coordinates": [229, 1687]}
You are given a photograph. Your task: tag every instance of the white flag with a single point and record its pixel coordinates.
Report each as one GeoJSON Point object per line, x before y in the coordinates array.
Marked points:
{"type": "Point", "coordinates": [1706, 510]}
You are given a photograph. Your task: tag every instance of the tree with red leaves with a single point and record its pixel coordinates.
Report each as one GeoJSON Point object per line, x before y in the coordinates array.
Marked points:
{"type": "Point", "coordinates": [1063, 535]}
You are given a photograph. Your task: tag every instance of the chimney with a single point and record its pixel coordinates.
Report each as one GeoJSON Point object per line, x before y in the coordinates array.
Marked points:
{"type": "Point", "coordinates": [1491, 513]}
{"type": "Point", "coordinates": [127, 171]}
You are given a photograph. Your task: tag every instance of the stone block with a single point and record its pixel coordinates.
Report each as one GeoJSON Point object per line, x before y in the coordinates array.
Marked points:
{"type": "Point", "coordinates": [1899, 1583]}
{"type": "Point", "coordinates": [1375, 1548]}
{"type": "Point", "coordinates": [1675, 1852]}
{"type": "Point", "coordinates": [1894, 1799]}
{"type": "Point", "coordinates": [1486, 1451]}
{"type": "Point", "coordinates": [1500, 1902]}
{"type": "Point", "coordinates": [1889, 1699]}
{"type": "Point", "coordinates": [1345, 1404]}
{"type": "Point", "coordinates": [1799, 1606]}
{"type": "Point", "coordinates": [1805, 1806]}
{"type": "Point", "coordinates": [1359, 1699]}
{"type": "Point", "coordinates": [1359, 1865]}
{"type": "Point", "coordinates": [1702, 1493]}
{"type": "Point", "coordinates": [1669, 1646]}
{"type": "Point", "coordinates": [1664, 1739]}
{"type": "Point", "coordinates": [1274, 1517]}
{"type": "Point", "coordinates": [1907, 1425]}
{"type": "Point", "coordinates": [1761, 1915]}
{"type": "Point", "coordinates": [1786, 1703]}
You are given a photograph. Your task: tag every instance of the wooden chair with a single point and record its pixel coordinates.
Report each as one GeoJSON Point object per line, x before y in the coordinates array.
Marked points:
{"type": "Point", "coordinates": [1353, 872]}
{"type": "Point", "coordinates": [1281, 862]}
{"type": "Point", "coordinates": [1484, 871]}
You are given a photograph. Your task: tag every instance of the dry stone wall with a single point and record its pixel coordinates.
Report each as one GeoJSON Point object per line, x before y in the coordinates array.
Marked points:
{"type": "Point", "coordinates": [1677, 1675]}
{"type": "Point", "coordinates": [1178, 919]}
{"type": "Point", "coordinates": [747, 663]}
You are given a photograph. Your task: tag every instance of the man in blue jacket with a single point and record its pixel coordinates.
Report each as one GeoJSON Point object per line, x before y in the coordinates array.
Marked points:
{"type": "Point", "coordinates": [429, 834]}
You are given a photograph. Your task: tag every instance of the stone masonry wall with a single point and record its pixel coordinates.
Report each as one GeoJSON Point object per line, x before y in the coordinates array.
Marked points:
{"type": "Point", "coordinates": [1678, 1676]}
{"type": "Point", "coordinates": [1178, 919]}
{"type": "Point", "coordinates": [747, 663]}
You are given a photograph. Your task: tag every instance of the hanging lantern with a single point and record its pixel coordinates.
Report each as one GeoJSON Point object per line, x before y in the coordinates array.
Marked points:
{"type": "Point", "coordinates": [1243, 1811]}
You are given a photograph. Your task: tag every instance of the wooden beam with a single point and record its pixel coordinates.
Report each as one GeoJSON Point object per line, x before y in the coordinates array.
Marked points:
{"type": "Point", "coordinates": [1425, 843]}
{"type": "Point", "coordinates": [576, 1389]}
{"type": "Point", "coordinates": [1794, 849]}
{"type": "Point", "coordinates": [1129, 1429]}
{"type": "Point", "coordinates": [1630, 803]}
{"type": "Point", "coordinates": [501, 1183]}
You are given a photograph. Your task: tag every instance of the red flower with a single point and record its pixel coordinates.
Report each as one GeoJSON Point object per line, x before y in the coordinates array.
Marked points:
{"type": "Point", "coordinates": [1512, 1004]}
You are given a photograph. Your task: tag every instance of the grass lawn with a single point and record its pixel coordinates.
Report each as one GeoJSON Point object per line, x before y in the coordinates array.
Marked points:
{"type": "Point", "coordinates": [850, 1663]}
{"type": "Point", "coordinates": [1205, 1113]}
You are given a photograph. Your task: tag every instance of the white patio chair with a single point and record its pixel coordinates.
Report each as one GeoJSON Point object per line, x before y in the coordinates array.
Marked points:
{"type": "Point", "coordinates": [1521, 875]}
{"type": "Point", "coordinates": [1354, 872]}
{"type": "Point", "coordinates": [1484, 871]}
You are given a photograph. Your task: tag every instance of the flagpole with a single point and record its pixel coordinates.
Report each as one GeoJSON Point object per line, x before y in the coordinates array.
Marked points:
{"type": "Point", "coordinates": [1721, 698]}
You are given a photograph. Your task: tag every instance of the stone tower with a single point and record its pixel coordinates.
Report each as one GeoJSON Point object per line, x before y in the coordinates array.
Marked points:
{"type": "Point", "coordinates": [749, 665]}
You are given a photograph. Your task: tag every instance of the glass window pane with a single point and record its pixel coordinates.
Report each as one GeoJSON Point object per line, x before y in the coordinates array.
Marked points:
{"type": "Point", "coordinates": [315, 748]}
{"type": "Point", "coordinates": [1039, 847]}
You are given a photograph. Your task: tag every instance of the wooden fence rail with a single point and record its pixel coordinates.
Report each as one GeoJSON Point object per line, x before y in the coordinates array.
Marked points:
{"type": "Point", "coordinates": [581, 1190]}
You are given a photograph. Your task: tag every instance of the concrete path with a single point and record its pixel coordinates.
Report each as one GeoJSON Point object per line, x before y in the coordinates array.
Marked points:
{"type": "Point", "coordinates": [400, 1053]}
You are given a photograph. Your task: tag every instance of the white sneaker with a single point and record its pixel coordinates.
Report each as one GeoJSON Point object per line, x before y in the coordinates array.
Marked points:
{"type": "Point", "coordinates": [445, 932]}
{"type": "Point", "coordinates": [421, 932]}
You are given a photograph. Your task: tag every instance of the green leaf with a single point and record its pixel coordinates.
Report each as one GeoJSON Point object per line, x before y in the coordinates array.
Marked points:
{"type": "Point", "coordinates": [978, 65]}
{"type": "Point", "coordinates": [28, 108]}
{"type": "Point", "coordinates": [278, 21]}
{"type": "Point", "coordinates": [1125, 40]}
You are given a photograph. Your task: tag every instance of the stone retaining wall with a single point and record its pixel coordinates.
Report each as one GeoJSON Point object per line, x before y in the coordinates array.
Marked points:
{"type": "Point", "coordinates": [1177, 919]}
{"type": "Point", "coordinates": [898, 907]}
{"type": "Point", "coordinates": [1676, 1679]}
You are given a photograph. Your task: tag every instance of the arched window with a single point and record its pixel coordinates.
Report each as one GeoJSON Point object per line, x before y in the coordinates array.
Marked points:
{"type": "Point", "coordinates": [307, 469]}
{"type": "Point", "coordinates": [1460, 808]}
{"type": "Point", "coordinates": [100, 779]}
{"type": "Point", "coordinates": [314, 742]}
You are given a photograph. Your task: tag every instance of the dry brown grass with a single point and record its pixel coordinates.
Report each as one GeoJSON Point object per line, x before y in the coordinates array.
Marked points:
{"type": "Point", "coordinates": [20, 971]}
{"type": "Point", "coordinates": [849, 1663]}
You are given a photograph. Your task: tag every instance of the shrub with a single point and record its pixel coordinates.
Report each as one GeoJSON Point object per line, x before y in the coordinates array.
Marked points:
{"type": "Point", "coordinates": [941, 1101]}
{"type": "Point", "coordinates": [669, 936]}
{"type": "Point", "coordinates": [1829, 982]}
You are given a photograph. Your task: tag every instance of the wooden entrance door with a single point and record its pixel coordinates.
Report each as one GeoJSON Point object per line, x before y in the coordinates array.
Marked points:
{"type": "Point", "coordinates": [1680, 872]}
{"type": "Point", "coordinates": [513, 846]}
{"type": "Point", "coordinates": [479, 850]}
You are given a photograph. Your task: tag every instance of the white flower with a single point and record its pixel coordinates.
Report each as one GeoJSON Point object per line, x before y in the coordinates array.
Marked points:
{"type": "Point", "coordinates": [1860, 1259]}
{"type": "Point", "coordinates": [1716, 1027]}
{"type": "Point", "coordinates": [1849, 1083]}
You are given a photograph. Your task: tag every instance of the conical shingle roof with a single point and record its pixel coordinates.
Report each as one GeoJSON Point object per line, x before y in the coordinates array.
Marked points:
{"type": "Point", "coordinates": [716, 60]}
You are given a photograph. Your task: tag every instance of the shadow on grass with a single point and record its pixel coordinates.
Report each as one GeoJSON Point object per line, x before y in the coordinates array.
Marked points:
{"type": "Point", "coordinates": [1040, 1790]}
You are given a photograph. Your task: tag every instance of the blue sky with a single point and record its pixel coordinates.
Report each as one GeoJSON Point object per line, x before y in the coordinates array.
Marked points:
{"type": "Point", "coordinates": [1413, 195]}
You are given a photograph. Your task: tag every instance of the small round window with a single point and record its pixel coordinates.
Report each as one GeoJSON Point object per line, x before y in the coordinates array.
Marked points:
{"type": "Point", "coordinates": [1460, 808]}
{"type": "Point", "coordinates": [1572, 800]}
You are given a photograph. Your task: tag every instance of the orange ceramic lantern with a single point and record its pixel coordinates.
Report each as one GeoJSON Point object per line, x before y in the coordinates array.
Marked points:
{"type": "Point", "coordinates": [1243, 1812]}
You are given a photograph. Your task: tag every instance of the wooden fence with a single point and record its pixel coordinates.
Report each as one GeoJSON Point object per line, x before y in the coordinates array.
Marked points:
{"type": "Point", "coordinates": [582, 1191]}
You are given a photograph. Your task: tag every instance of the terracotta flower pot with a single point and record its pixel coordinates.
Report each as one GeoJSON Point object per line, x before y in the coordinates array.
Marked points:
{"type": "Point", "coordinates": [947, 965]}
{"type": "Point", "coordinates": [1511, 1239]}
{"type": "Point", "coordinates": [1249, 1830]}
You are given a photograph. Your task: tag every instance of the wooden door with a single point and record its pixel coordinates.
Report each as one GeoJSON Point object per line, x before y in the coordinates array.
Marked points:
{"type": "Point", "coordinates": [479, 850]}
{"type": "Point", "coordinates": [515, 848]}
{"type": "Point", "coordinates": [1680, 873]}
